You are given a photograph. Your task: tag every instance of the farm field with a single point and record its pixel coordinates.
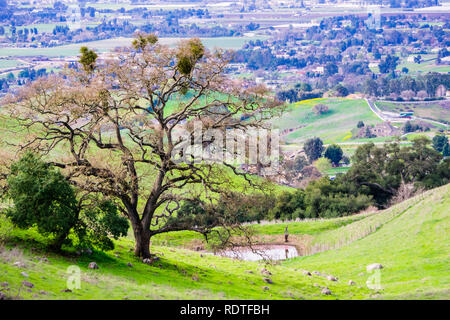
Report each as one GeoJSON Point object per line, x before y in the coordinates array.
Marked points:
{"type": "Point", "coordinates": [409, 240]}
{"type": "Point", "coordinates": [66, 50]}
{"type": "Point", "coordinates": [9, 63]}
{"type": "Point", "coordinates": [109, 44]}
{"type": "Point", "coordinates": [339, 123]}
{"type": "Point", "coordinates": [128, 6]}
{"type": "Point", "coordinates": [428, 64]}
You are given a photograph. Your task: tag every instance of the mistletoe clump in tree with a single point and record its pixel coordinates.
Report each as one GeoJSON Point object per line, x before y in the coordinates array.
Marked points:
{"type": "Point", "coordinates": [113, 127]}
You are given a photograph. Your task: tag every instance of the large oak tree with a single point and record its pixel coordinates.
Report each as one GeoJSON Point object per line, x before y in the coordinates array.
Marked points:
{"type": "Point", "coordinates": [113, 125]}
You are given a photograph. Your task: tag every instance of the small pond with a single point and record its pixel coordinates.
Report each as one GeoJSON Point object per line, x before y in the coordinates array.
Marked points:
{"type": "Point", "coordinates": [259, 252]}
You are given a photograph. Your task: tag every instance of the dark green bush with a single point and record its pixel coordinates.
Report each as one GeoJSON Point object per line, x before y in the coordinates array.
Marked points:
{"type": "Point", "coordinates": [44, 199]}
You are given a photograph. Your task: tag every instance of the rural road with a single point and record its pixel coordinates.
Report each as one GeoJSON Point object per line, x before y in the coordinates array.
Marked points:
{"type": "Point", "coordinates": [393, 117]}
{"type": "Point", "coordinates": [375, 110]}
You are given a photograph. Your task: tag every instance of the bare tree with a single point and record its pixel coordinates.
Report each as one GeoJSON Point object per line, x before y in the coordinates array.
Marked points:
{"type": "Point", "coordinates": [113, 127]}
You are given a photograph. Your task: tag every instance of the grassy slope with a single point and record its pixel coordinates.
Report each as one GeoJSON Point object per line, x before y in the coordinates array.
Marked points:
{"type": "Point", "coordinates": [431, 110]}
{"type": "Point", "coordinates": [334, 126]}
{"type": "Point", "coordinates": [179, 274]}
{"type": "Point", "coordinates": [413, 247]}
{"type": "Point", "coordinates": [423, 67]}
{"type": "Point", "coordinates": [411, 242]}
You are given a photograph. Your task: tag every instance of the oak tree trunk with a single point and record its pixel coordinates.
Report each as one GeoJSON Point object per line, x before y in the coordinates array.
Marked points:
{"type": "Point", "coordinates": [142, 240]}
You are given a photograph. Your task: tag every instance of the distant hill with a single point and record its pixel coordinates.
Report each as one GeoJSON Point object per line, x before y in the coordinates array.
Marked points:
{"type": "Point", "coordinates": [300, 123]}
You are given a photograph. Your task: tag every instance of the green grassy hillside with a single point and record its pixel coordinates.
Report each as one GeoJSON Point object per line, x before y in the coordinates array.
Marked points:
{"type": "Point", "coordinates": [413, 247]}
{"type": "Point", "coordinates": [410, 240]}
{"type": "Point", "coordinates": [333, 126]}
{"type": "Point", "coordinates": [435, 110]}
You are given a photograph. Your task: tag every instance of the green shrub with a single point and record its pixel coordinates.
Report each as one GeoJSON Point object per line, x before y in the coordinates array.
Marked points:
{"type": "Point", "coordinates": [6, 227]}
{"type": "Point", "coordinates": [98, 222]}
{"type": "Point", "coordinates": [323, 164]}
{"type": "Point", "coordinates": [43, 198]}
{"type": "Point", "coordinates": [325, 198]}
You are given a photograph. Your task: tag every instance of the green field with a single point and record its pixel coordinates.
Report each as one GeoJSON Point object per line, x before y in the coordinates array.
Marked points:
{"type": "Point", "coordinates": [428, 65]}
{"type": "Point", "coordinates": [128, 6]}
{"type": "Point", "coordinates": [110, 44]}
{"type": "Point", "coordinates": [410, 240]}
{"type": "Point", "coordinates": [41, 27]}
{"type": "Point", "coordinates": [413, 247]}
{"type": "Point", "coordinates": [434, 110]}
{"type": "Point", "coordinates": [337, 170]}
{"type": "Point", "coordinates": [9, 63]}
{"type": "Point", "coordinates": [332, 127]}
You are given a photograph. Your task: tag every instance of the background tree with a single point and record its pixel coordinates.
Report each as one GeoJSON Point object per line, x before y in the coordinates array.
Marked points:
{"type": "Point", "coordinates": [334, 153]}
{"type": "Point", "coordinates": [407, 94]}
{"type": "Point", "coordinates": [331, 69]}
{"type": "Point", "coordinates": [446, 150]}
{"type": "Point", "coordinates": [371, 87]}
{"type": "Point", "coordinates": [422, 94]}
{"type": "Point", "coordinates": [313, 148]}
{"type": "Point", "coordinates": [299, 163]}
{"type": "Point", "coordinates": [341, 91]}
{"type": "Point", "coordinates": [320, 108]}
{"type": "Point", "coordinates": [288, 206]}
{"type": "Point", "coordinates": [418, 59]}
{"type": "Point", "coordinates": [381, 170]}
{"type": "Point", "coordinates": [439, 142]}
{"type": "Point", "coordinates": [388, 64]}
{"type": "Point", "coordinates": [408, 127]}
{"type": "Point", "coordinates": [323, 164]}
{"type": "Point", "coordinates": [360, 124]}
{"type": "Point", "coordinates": [292, 168]}
{"type": "Point", "coordinates": [114, 131]}
{"type": "Point", "coordinates": [345, 160]}
{"type": "Point", "coordinates": [368, 133]}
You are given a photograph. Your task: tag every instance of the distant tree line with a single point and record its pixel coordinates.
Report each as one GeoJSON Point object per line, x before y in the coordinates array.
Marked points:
{"type": "Point", "coordinates": [299, 92]}
{"type": "Point", "coordinates": [375, 178]}
{"type": "Point", "coordinates": [386, 86]}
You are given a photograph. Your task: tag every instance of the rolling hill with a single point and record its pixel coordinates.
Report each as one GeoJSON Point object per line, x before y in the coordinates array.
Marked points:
{"type": "Point", "coordinates": [332, 126]}
{"type": "Point", "coordinates": [413, 247]}
{"type": "Point", "coordinates": [410, 240]}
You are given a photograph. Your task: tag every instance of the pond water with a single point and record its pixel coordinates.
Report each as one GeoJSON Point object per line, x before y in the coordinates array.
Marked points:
{"type": "Point", "coordinates": [259, 252]}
